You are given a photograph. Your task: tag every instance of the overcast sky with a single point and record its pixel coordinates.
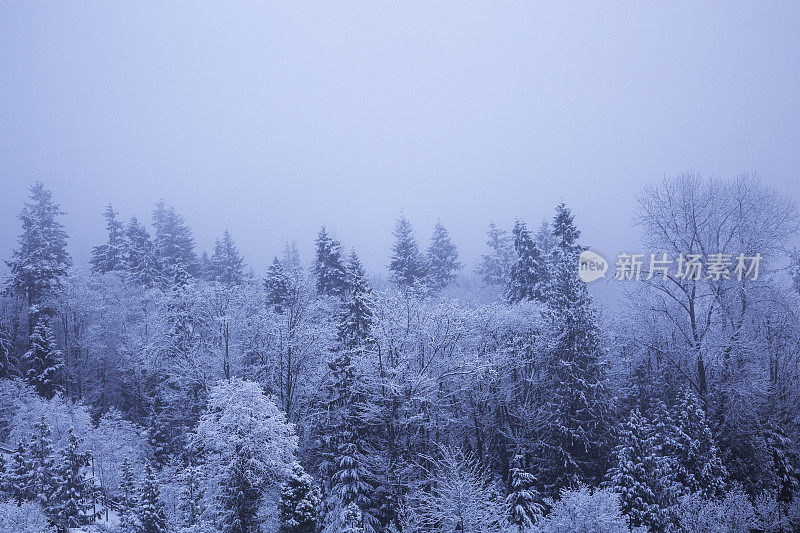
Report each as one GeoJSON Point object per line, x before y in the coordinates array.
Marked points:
{"type": "Point", "coordinates": [271, 120]}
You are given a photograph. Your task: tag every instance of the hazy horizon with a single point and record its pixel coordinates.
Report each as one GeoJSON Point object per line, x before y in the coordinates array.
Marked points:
{"type": "Point", "coordinates": [271, 121]}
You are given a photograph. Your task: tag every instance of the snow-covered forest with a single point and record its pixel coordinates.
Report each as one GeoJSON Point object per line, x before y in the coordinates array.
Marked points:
{"type": "Point", "coordinates": [169, 389]}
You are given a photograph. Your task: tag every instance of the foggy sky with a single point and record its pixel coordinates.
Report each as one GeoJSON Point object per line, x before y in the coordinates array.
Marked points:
{"type": "Point", "coordinates": [273, 120]}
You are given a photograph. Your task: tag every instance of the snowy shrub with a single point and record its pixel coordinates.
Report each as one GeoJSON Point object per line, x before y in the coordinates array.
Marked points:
{"type": "Point", "coordinates": [585, 510]}
{"type": "Point", "coordinates": [732, 514]}
{"type": "Point", "coordinates": [60, 415]}
{"type": "Point", "coordinates": [27, 518]}
{"type": "Point", "coordinates": [462, 497]}
{"type": "Point", "coordinates": [113, 441]}
{"type": "Point", "coordinates": [13, 394]}
{"type": "Point", "coordinates": [768, 514]}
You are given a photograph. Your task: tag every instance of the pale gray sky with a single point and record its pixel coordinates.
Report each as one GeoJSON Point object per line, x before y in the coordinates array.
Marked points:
{"type": "Point", "coordinates": [271, 119]}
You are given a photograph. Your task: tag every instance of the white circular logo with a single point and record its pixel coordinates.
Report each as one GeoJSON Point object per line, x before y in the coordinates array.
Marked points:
{"type": "Point", "coordinates": [591, 266]}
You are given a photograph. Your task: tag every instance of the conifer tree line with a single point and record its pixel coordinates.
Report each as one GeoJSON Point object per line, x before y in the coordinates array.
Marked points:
{"type": "Point", "coordinates": [168, 389]}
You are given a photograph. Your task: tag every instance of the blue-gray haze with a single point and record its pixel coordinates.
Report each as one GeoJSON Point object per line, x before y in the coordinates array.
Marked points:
{"type": "Point", "coordinates": [271, 119]}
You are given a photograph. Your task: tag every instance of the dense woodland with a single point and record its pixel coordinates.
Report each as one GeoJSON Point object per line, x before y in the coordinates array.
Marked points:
{"type": "Point", "coordinates": [167, 390]}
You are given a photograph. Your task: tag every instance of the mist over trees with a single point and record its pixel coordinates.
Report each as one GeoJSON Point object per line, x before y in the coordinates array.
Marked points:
{"type": "Point", "coordinates": [171, 389]}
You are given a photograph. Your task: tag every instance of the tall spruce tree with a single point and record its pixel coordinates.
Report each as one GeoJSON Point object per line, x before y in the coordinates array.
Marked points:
{"type": "Point", "coordinates": [41, 260]}
{"type": "Point", "coordinates": [442, 258]}
{"type": "Point", "coordinates": [300, 502]}
{"type": "Point", "coordinates": [407, 264]}
{"type": "Point", "coordinates": [191, 499]}
{"type": "Point", "coordinates": [278, 286]}
{"type": "Point", "coordinates": [355, 320]}
{"type": "Point", "coordinates": [700, 467]}
{"type": "Point", "coordinates": [151, 513]}
{"type": "Point", "coordinates": [495, 267]}
{"type": "Point", "coordinates": [174, 245]}
{"type": "Point", "coordinates": [522, 503]}
{"type": "Point", "coordinates": [227, 266]}
{"type": "Point", "coordinates": [527, 278]}
{"type": "Point", "coordinates": [635, 474]}
{"type": "Point", "coordinates": [68, 505]}
{"type": "Point", "coordinates": [328, 268]}
{"type": "Point", "coordinates": [41, 462]}
{"type": "Point", "coordinates": [109, 257]}
{"type": "Point", "coordinates": [43, 362]}
{"type": "Point", "coordinates": [576, 435]}
{"type": "Point", "coordinates": [139, 255]}
{"type": "Point", "coordinates": [18, 475]}
{"type": "Point", "coordinates": [129, 498]}
{"type": "Point", "coordinates": [240, 498]}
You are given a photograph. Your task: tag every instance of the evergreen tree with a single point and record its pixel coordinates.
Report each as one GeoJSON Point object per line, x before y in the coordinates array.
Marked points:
{"type": "Point", "coordinates": [240, 498]}
{"type": "Point", "coordinates": [227, 266]}
{"type": "Point", "coordinates": [68, 503]}
{"type": "Point", "coordinates": [355, 320]}
{"type": "Point", "coordinates": [18, 480]}
{"type": "Point", "coordinates": [784, 464]}
{"type": "Point", "coordinates": [129, 500]}
{"type": "Point", "coordinates": [140, 255]}
{"type": "Point", "coordinates": [43, 362]}
{"type": "Point", "coordinates": [700, 467]}
{"type": "Point", "coordinates": [527, 278]}
{"type": "Point", "coordinates": [299, 503]}
{"type": "Point", "coordinates": [406, 264]}
{"type": "Point", "coordinates": [442, 258]}
{"type": "Point", "coordinates": [278, 286]}
{"type": "Point", "coordinates": [127, 487]}
{"type": "Point", "coordinates": [495, 267]}
{"type": "Point", "coordinates": [191, 502]}
{"type": "Point", "coordinates": [522, 502]}
{"type": "Point", "coordinates": [574, 443]}
{"type": "Point", "coordinates": [174, 245]}
{"type": "Point", "coordinates": [328, 267]}
{"type": "Point", "coordinates": [41, 259]}
{"type": "Point", "coordinates": [110, 256]}
{"type": "Point", "coordinates": [41, 464]}
{"type": "Point", "coordinates": [352, 520]}
{"type": "Point", "coordinates": [635, 473]}
{"type": "Point", "coordinates": [151, 514]}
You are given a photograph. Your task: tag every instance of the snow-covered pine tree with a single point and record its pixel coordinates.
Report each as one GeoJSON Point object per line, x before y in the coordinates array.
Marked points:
{"type": "Point", "coordinates": [784, 464]}
{"type": "Point", "coordinates": [495, 267]}
{"type": "Point", "coordinates": [174, 245]}
{"type": "Point", "coordinates": [139, 255]}
{"type": "Point", "coordinates": [700, 466]}
{"type": "Point", "coordinates": [575, 439]}
{"type": "Point", "coordinates": [522, 502]}
{"type": "Point", "coordinates": [355, 320]}
{"type": "Point", "coordinates": [41, 463]}
{"type": "Point", "coordinates": [109, 256]}
{"type": "Point", "coordinates": [129, 498]}
{"type": "Point", "coordinates": [41, 259]}
{"type": "Point", "coordinates": [527, 278]}
{"type": "Point", "coordinates": [328, 268]}
{"type": "Point", "coordinates": [442, 258]}
{"type": "Point", "coordinates": [240, 499]}
{"type": "Point", "coordinates": [227, 265]}
{"type": "Point", "coordinates": [43, 363]}
{"type": "Point", "coordinates": [191, 499]}
{"type": "Point", "coordinates": [300, 502]}
{"type": "Point", "coordinates": [634, 474]}
{"type": "Point", "coordinates": [352, 520]}
{"type": "Point", "coordinates": [151, 513]}
{"type": "Point", "coordinates": [407, 264]}
{"type": "Point", "coordinates": [344, 431]}
{"type": "Point", "coordinates": [18, 477]}
{"type": "Point", "coordinates": [68, 505]}
{"type": "Point", "coordinates": [278, 286]}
